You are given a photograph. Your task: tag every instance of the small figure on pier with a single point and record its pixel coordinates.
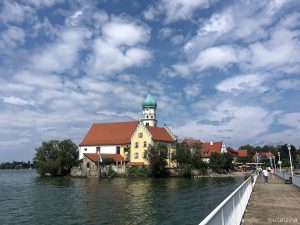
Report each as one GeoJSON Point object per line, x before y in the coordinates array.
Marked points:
{"type": "Point", "coordinates": [266, 175]}
{"type": "Point", "coordinates": [272, 172]}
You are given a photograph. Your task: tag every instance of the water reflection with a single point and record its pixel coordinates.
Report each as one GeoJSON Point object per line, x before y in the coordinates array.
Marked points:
{"type": "Point", "coordinates": [28, 199]}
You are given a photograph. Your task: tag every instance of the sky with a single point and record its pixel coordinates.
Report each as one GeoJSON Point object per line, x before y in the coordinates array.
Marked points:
{"type": "Point", "coordinates": [219, 70]}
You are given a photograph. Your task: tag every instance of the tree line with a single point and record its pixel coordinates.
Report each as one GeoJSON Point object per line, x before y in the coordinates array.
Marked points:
{"type": "Point", "coordinates": [16, 165]}
{"type": "Point", "coordinates": [58, 157]}
{"type": "Point", "coordinates": [274, 149]}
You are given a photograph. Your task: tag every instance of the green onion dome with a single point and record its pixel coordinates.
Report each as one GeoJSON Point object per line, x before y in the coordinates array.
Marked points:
{"type": "Point", "coordinates": [149, 102]}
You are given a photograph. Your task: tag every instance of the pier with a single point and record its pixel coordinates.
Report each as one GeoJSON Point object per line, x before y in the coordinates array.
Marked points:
{"type": "Point", "coordinates": [273, 203]}
{"type": "Point", "coordinates": [256, 203]}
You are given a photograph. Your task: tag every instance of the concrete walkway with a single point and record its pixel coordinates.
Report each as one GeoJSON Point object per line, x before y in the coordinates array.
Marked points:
{"type": "Point", "coordinates": [273, 203]}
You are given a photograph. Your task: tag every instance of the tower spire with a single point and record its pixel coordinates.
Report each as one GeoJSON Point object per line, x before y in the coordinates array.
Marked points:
{"type": "Point", "coordinates": [149, 111]}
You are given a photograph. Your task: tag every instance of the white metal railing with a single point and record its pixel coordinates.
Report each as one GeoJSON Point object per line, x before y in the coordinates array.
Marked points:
{"type": "Point", "coordinates": [287, 175]}
{"type": "Point", "coordinates": [231, 210]}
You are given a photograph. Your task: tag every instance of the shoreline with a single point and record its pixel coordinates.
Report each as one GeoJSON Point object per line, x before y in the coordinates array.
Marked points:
{"type": "Point", "coordinates": [234, 174]}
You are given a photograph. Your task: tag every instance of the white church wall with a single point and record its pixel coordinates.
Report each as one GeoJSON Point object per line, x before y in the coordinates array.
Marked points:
{"type": "Point", "coordinates": [106, 149]}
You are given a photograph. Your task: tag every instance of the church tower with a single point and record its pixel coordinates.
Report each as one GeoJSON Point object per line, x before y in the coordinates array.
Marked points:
{"type": "Point", "coordinates": [149, 111]}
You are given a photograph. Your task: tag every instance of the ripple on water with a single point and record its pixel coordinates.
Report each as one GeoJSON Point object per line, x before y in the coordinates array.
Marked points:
{"type": "Point", "coordinates": [28, 199]}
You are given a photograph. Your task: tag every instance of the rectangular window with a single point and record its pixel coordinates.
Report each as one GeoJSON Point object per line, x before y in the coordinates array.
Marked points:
{"type": "Point", "coordinates": [140, 135]}
{"type": "Point", "coordinates": [98, 149]}
{"type": "Point", "coordinates": [145, 144]}
{"type": "Point", "coordinates": [118, 149]}
{"type": "Point", "coordinates": [136, 144]}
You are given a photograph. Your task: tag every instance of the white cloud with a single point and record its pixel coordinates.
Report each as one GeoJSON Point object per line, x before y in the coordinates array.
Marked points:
{"type": "Point", "coordinates": [13, 12]}
{"type": "Point", "coordinates": [38, 80]}
{"type": "Point", "coordinates": [12, 37]}
{"type": "Point", "coordinates": [215, 57]}
{"type": "Point", "coordinates": [177, 39]}
{"type": "Point", "coordinates": [42, 3]}
{"type": "Point", "coordinates": [281, 49]}
{"type": "Point", "coordinates": [220, 23]}
{"type": "Point", "coordinates": [179, 69]}
{"type": "Point", "coordinates": [177, 9]}
{"type": "Point", "coordinates": [125, 33]}
{"type": "Point", "coordinates": [73, 20]}
{"type": "Point", "coordinates": [291, 120]}
{"type": "Point", "coordinates": [17, 101]}
{"type": "Point", "coordinates": [120, 47]}
{"type": "Point", "coordinates": [237, 124]}
{"type": "Point", "coordinates": [243, 83]}
{"type": "Point", "coordinates": [192, 90]}
{"type": "Point", "coordinates": [62, 54]}
{"type": "Point", "coordinates": [165, 32]}
{"type": "Point", "coordinates": [289, 84]}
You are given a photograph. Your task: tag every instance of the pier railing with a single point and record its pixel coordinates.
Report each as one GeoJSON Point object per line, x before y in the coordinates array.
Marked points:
{"type": "Point", "coordinates": [287, 175]}
{"type": "Point", "coordinates": [231, 210]}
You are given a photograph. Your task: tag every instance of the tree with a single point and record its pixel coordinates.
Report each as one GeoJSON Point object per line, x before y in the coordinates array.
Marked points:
{"type": "Point", "coordinates": [221, 162]}
{"type": "Point", "coordinates": [228, 162]}
{"type": "Point", "coordinates": [198, 163]}
{"type": "Point", "coordinates": [216, 162]}
{"type": "Point", "coordinates": [156, 156]}
{"type": "Point", "coordinates": [284, 155]}
{"type": "Point", "coordinates": [56, 157]}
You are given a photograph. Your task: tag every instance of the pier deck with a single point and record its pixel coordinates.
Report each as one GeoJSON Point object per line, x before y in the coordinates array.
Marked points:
{"type": "Point", "coordinates": [273, 203]}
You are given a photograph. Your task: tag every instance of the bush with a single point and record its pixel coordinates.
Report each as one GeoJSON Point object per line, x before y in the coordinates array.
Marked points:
{"type": "Point", "coordinates": [156, 156]}
{"type": "Point", "coordinates": [138, 171]}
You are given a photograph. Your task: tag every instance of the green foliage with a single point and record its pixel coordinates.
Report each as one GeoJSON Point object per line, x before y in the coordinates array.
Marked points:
{"type": "Point", "coordinates": [111, 173]}
{"type": "Point", "coordinates": [216, 162]}
{"type": "Point", "coordinates": [228, 161]}
{"type": "Point", "coordinates": [188, 157]}
{"type": "Point", "coordinates": [220, 163]}
{"type": "Point", "coordinates": [138, 171]}
{"type": "Point", "coordinates": [244, 159]}
{"type": "Point", "coordinates": [16, 165]}
{"type": "Point", "coordinates": [198, 163]}
{"type": "Point", "coordinates": [56, 157]}
{"type": "Point", "coordinates": [274, 150]}
{"type": "Point", "coordinates": [156, 156]}
{"type": "Point", "coordinates": [183, 154]}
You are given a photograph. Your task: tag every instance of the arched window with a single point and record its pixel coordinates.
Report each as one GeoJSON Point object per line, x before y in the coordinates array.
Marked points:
{"type": "Point", "coordinates": [147, 116]}
{"type": "Point", "coordinates": [136, 155]}
{"type": "Point", "coordinates": [136, 145]}
{"type": "Point", "coordinates": [145, 143]}
{"type": "Point", "coordinates": [144, 154]}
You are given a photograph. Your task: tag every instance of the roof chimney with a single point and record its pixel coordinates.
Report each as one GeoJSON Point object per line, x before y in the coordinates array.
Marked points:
{"type": "Point", "coordinates": [211, 143]}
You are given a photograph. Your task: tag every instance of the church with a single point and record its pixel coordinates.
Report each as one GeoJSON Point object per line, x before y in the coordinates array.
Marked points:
{"type": "Point", "coordinates": [126, 142]}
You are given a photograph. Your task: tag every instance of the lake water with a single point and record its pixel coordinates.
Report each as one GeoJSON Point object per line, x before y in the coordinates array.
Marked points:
{"type": "Point", "coordinates": [26, 198]}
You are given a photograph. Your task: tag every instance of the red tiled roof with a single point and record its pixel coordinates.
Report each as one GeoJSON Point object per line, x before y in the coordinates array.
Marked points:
{"type": "Point", "coordinates": [110, 133]}
{"type": "Point", "coordinates": [160, 134]}
{"type": "Point", "coordinates": [242, 152]}
{"type": "Point", "coordinates": [207, 148]}
{"type": "Point", "coordinates": [233, 152]}
{"type": "Point", "coordinates": [267, 154]}
{"type": "Point", "coordinates": [191, 141]}
{"type": "Point", "coordinates": [94, 156]}
{"type": "Point", "coordinates": [135, 164]}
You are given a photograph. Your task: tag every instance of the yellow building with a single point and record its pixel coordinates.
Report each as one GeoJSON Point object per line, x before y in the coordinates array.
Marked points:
{"type": "Point", "coordinates": [143, 137]}
{"type": "Point", "coordinates": [129, 140]}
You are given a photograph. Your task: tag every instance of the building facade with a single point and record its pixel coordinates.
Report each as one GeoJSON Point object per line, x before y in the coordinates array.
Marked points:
{"type": "Point", "coordinates": [128, 140]}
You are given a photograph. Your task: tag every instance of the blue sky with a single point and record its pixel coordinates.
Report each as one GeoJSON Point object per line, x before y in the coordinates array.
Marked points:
{"type": "Point", "coordinates": [219, 70]}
